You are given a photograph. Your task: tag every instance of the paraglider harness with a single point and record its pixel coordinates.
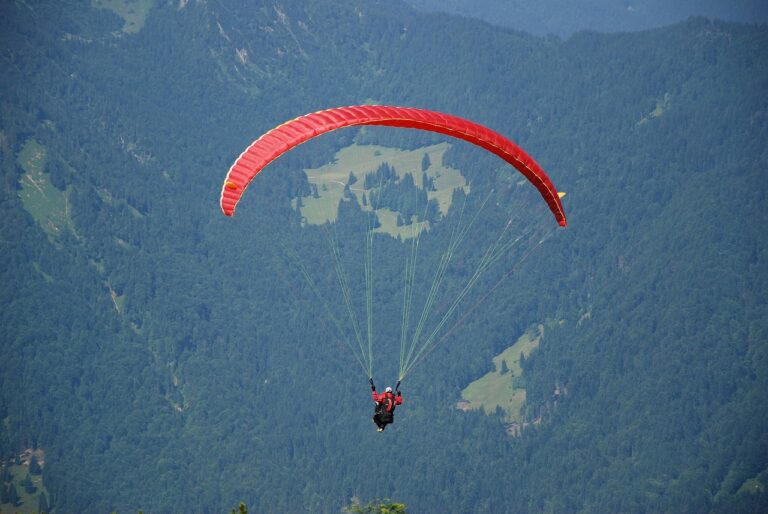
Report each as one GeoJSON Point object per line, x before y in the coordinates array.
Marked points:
{"type": "Point", "coordinates": [386, 409]}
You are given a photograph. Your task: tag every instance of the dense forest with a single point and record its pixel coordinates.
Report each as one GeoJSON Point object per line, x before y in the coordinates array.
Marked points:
{"type": "Point", "coordinates": [564, 17]}
{"type": "Point", "coordinates": [157, 355]}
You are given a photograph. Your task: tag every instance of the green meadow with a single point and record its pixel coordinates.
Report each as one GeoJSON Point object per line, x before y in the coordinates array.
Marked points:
{"type": "Point", "coordinates": [360, 160]}
{"type": "Point", "coordinates": [47, 205]}
{"type": "Point", "coordinates": [133, 12]}
{"type": "Point", "coordinates": [29, 489]}
{"type": "Point", "coordinates": [498, 388]}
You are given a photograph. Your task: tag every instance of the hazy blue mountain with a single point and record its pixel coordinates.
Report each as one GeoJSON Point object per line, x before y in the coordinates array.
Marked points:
{"type": "Point", "coordinates": [164, 357]}
{"type": "Point", "coordinates": [564, 17]}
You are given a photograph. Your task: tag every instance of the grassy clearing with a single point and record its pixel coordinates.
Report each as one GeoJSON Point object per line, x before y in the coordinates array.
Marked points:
{"type": "Point", "coordinates": [48, 278]}
{"type": "Point", "coordinates": [388, 220]}
{"type": "Point", "coordinates": [497, 389]}
{"type": "Point", "coordinates": [751, 486]}
{"type": "Point", "coordinates": [754, 485]}
{"type": "Point", "coordinates": [133, 12]}
{"type": "Point", "coordinates": [48, 206]}
{"type": "Point", "coordinates": [662, 105]}
{"type": "Point", "coordinates": [363, 159]}
{"type": "Point", "coordinates": [28, 502]}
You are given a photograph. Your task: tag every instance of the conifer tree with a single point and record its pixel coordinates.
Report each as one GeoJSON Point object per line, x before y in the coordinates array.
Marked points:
{"type": "Point", "coordinates": [425, 162]}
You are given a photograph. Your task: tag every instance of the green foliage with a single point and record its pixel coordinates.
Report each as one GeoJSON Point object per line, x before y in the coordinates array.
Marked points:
{"type": "Point", "coordinates": [43, 504]}
{"type": "Point", "coordinates": [400, 195]}
{"type": "Point", "coordinates": [34, 466]}
{"type": "Point", "coordinates": [28, 486]}
{"type": "Point", "coordinates": [376, 507]}
{"type": "Point", "coordinates": [242, 509]}
{"type": "Point", "coordinates": [10, 495]}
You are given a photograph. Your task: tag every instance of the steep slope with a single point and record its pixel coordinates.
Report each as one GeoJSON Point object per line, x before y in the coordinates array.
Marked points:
{"type": "Point", "coordinates": [169, 359]}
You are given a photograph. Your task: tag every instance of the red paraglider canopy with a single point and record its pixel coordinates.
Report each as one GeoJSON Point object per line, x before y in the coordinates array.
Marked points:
{"type": "Point", "coordinates": [283, 138]}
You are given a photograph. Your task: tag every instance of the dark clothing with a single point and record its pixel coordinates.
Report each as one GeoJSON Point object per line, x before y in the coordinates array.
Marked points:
{"type": "Point", "coordinates": [385, 408]}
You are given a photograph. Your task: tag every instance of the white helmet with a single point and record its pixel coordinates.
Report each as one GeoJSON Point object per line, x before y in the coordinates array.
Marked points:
{"type": "Point", "coordinates": [388, 389]}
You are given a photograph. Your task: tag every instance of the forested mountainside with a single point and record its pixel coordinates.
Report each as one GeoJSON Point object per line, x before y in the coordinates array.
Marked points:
{"type": "Point", "coordinates": [565, 17]}
{"type": "Point", "coordinates": [157, 355]}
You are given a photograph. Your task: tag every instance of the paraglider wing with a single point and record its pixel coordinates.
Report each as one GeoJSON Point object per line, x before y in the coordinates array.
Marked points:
{"type": "Point", "coordinates": [283, 138]}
